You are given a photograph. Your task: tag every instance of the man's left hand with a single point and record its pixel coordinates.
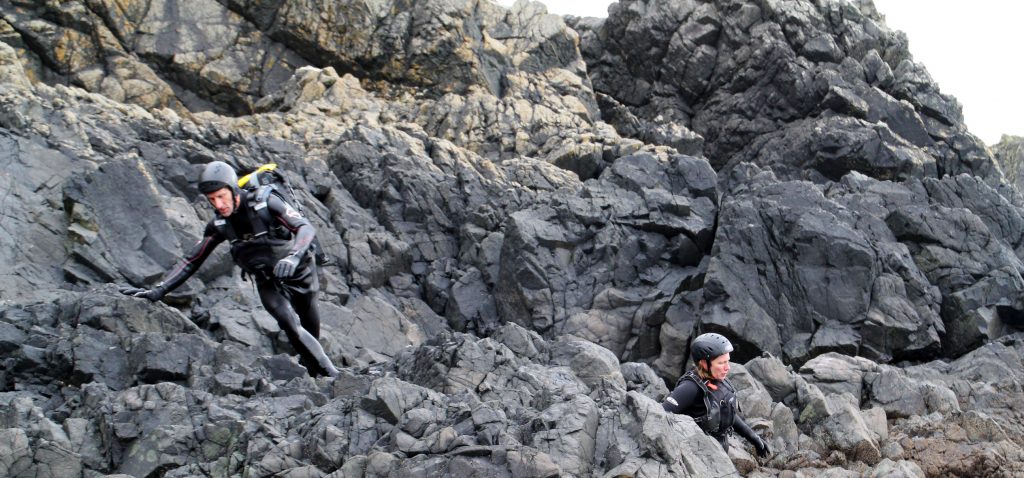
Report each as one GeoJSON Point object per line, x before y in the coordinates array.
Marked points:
{"type": "Point", "coordinates": [285, 268]}
{"type": "Point", "coordinates": [153, 295]}
{"type": "Point", "coordinates": [762, 448]}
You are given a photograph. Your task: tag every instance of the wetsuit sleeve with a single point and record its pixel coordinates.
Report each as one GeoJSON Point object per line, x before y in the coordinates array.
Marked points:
{"type": "Point", "coordinates": [744, 430]}
{"type": "Point", "coordinates": [191, 262]}
{"type": "Point", "coordinates": [682, 397]}
{"type": "Point", "coordinates": [303, 231]}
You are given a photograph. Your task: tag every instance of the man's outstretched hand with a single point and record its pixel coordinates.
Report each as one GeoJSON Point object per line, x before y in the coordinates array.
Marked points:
{"type": "Point", "coordinates": [151, 294]}
{"type": "Point", "coordinates": [762, 448]}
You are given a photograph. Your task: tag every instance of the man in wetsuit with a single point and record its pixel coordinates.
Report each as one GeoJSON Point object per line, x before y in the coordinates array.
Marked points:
{"type": "Point", "coordinates": [704, 393]}
{"type": "Point", "coordinates": [270, 241]}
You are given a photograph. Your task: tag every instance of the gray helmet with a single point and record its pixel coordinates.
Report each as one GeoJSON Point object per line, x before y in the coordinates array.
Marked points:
{"type": "Point", "coordinates": [709, 346]}
{"type": "Point", "coordinates": [218, 175]}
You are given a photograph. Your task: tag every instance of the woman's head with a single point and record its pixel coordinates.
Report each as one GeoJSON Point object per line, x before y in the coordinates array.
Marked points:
{"type": "Point", "coordinates": [716, 368]}
{"type": "Point", "coordinates": [710, 353]}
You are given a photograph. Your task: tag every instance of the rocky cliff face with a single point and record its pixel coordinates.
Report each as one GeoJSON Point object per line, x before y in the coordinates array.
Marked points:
{"type": "Point", "coordinates": [530, 217]}
{"type": "Point", "coordinates": [1009, 152]}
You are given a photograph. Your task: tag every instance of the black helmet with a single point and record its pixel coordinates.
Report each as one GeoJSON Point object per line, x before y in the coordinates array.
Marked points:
{"type": "Point", "coordinates": [218, 175]}
{"type": "Point", "coordinates": [709, 346]}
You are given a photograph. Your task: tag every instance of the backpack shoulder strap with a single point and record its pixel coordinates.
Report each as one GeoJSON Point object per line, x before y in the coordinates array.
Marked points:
{"type": "Point", "coordinates": [732, 390]}
{"type": "Point", "coordinates": [224, 228]}
{"type": "Point", "coordinates": [705, 392]}
{"type": "Point", "coordinates": [692, 376]}
{"type": "Point", "coordinates": [257, 200]}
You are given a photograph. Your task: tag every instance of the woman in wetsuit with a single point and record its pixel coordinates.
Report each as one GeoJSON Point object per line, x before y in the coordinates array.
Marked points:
{"type": "Point", "coordinates": [706, 395]}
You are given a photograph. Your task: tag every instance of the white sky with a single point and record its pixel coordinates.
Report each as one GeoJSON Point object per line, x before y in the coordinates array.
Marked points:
{"type": "Point", "coordinates": [974, 53]}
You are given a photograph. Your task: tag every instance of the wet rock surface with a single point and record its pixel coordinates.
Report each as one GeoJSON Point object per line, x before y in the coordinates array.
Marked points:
{"type": "Point", "coordinates": [528, 218]}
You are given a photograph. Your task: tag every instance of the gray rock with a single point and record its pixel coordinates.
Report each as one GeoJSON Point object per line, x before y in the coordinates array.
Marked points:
{"type": "Point", "coordinates": [17, 454]}
{"type": "Point", "coordinates": [144, 245]}
{"type": "Point", "coordinates": [674, 334]}
{"type": "Point", "coordinates": [967, 313]}
{"type": "Point", "coordinates": [375, 258]}
{"type": "Point", "coordinates": [530, 463]}
{"type": "Point", "coordinates": [380, 464]}
{"type": "Point", "coordinates": [845, 430]}
{"type": "Point", "coordinates": [833, 337]}
{"type": "Point", "coordinates": [1010, 155]}
{"type": "Point", "coordinates": [10, 337]}
{"type": "Point", "coordinates": [980, 427]}
{"type": "Point", "coordinates": [374, 324]}
{"type": "Point", "coordinates": [126, 316]}
{"type": "Point", "coordinates": [154, 358]}
{"type": "Point", "coordinates": [895, 311]}
{"type": "Point", "coordinates": [11, 70]}
{"type": "Point", "coordinates": [281, 367]}
{"type": "Point", "coordinates": [84, 440]}
{"type": "Point", "coordinates": [834, 373]}
{"type": "Point", "coordinates": [567, 433]}
{"type": "Point", "coordinates": [876, 420]}
{"type": "Point", "coordinates": [642, 378]}
{"type": "Point", "coordinates": [648, 431]}
{"type": "Point", "coordinates": [812, 403]}
{"type": "Point", "coordinates": [784, 429]}
{"type": "Point", "coordinates": [596, 366]}
{"type": "Point", "coordinates": [892, 450]}
{"type": "Point", "coordinates": [898, 395]}
{"type": "Point", "coordinates": [152, 423]}
{"type": "Point", "coordinates": [939, 398]}
{"type": "Point", "coordinates": [470, 303]}
{"type": "Point", "coordinates": [100, 357]}
{"type": "Point", "coordinates": [754, 399]}
{"type": "Point", "coordinates": [735, 283]}
{"type": "Point", "coordinates": [896, 469]}
{"type": "Point", "coordinates": [55, 461]}
{"type": "Point", "coordinates": [390, 398]}
{"type": "Point", "coordinates": [773, 375]}
{"type": "Point", "coordinates": [523, 342]}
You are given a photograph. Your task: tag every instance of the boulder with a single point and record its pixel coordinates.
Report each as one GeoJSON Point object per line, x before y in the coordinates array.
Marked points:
{"type": "Point", "coordinates": [896, 469]}
{"type": "Point", "coordinates": [774, 376]}
{"type": "Point", "coordinates": [835, 373]}
{"type": "Point", "coordinates": [845, 430]}
{"type": "Point", "coordinates": [895, 393]}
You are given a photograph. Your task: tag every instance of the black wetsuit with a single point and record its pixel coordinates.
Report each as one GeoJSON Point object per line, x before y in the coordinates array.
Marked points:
{"type": "Point", "coordinates": [291, 301]}
{"type": "Point", "coordinates": [692, 398]}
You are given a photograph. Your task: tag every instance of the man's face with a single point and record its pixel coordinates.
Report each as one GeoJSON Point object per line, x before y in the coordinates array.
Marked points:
{"type": "Point", "coordinates": [223, 201]}
{"type": "Point", "coordinates": [720, 367]}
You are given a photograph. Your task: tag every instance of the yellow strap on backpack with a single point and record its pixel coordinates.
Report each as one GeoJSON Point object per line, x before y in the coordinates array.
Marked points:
{"type": "Point", "coordinates": [242, 181]}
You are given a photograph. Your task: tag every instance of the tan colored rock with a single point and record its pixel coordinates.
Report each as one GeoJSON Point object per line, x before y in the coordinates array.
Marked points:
{"type": "Point", "coordinates": [12, 72]}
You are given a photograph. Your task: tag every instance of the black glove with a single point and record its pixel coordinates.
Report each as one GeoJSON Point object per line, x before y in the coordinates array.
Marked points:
{"type": "Point", "coordinates": [762, 447]}
{"type": "Point", "coordinates": [154, 294]}
{"type": "Point", "coordinates": [285, 268]}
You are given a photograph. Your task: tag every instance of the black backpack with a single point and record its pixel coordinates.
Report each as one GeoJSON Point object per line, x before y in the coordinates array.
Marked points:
{"type": "Point", "coordinates": [265, 180]}
{"type": "Point", "coordinates": [268, 175]}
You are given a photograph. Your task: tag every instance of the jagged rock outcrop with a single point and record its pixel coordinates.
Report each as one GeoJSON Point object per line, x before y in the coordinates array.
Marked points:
{"type": "Point", "coordinates": [812, 89]}
{"type": "Point", "coordinates": [1009, 153]}
{"type": "Point", "coordinates": [528, 220]}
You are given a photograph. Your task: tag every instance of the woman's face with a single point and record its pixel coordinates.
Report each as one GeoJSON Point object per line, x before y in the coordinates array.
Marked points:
{"type": "Point", "coordinates": [720, 367]}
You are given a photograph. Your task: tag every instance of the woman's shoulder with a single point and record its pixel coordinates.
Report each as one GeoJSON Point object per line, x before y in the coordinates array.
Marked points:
{"type": "Point", "coordinates": [688, 381]}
